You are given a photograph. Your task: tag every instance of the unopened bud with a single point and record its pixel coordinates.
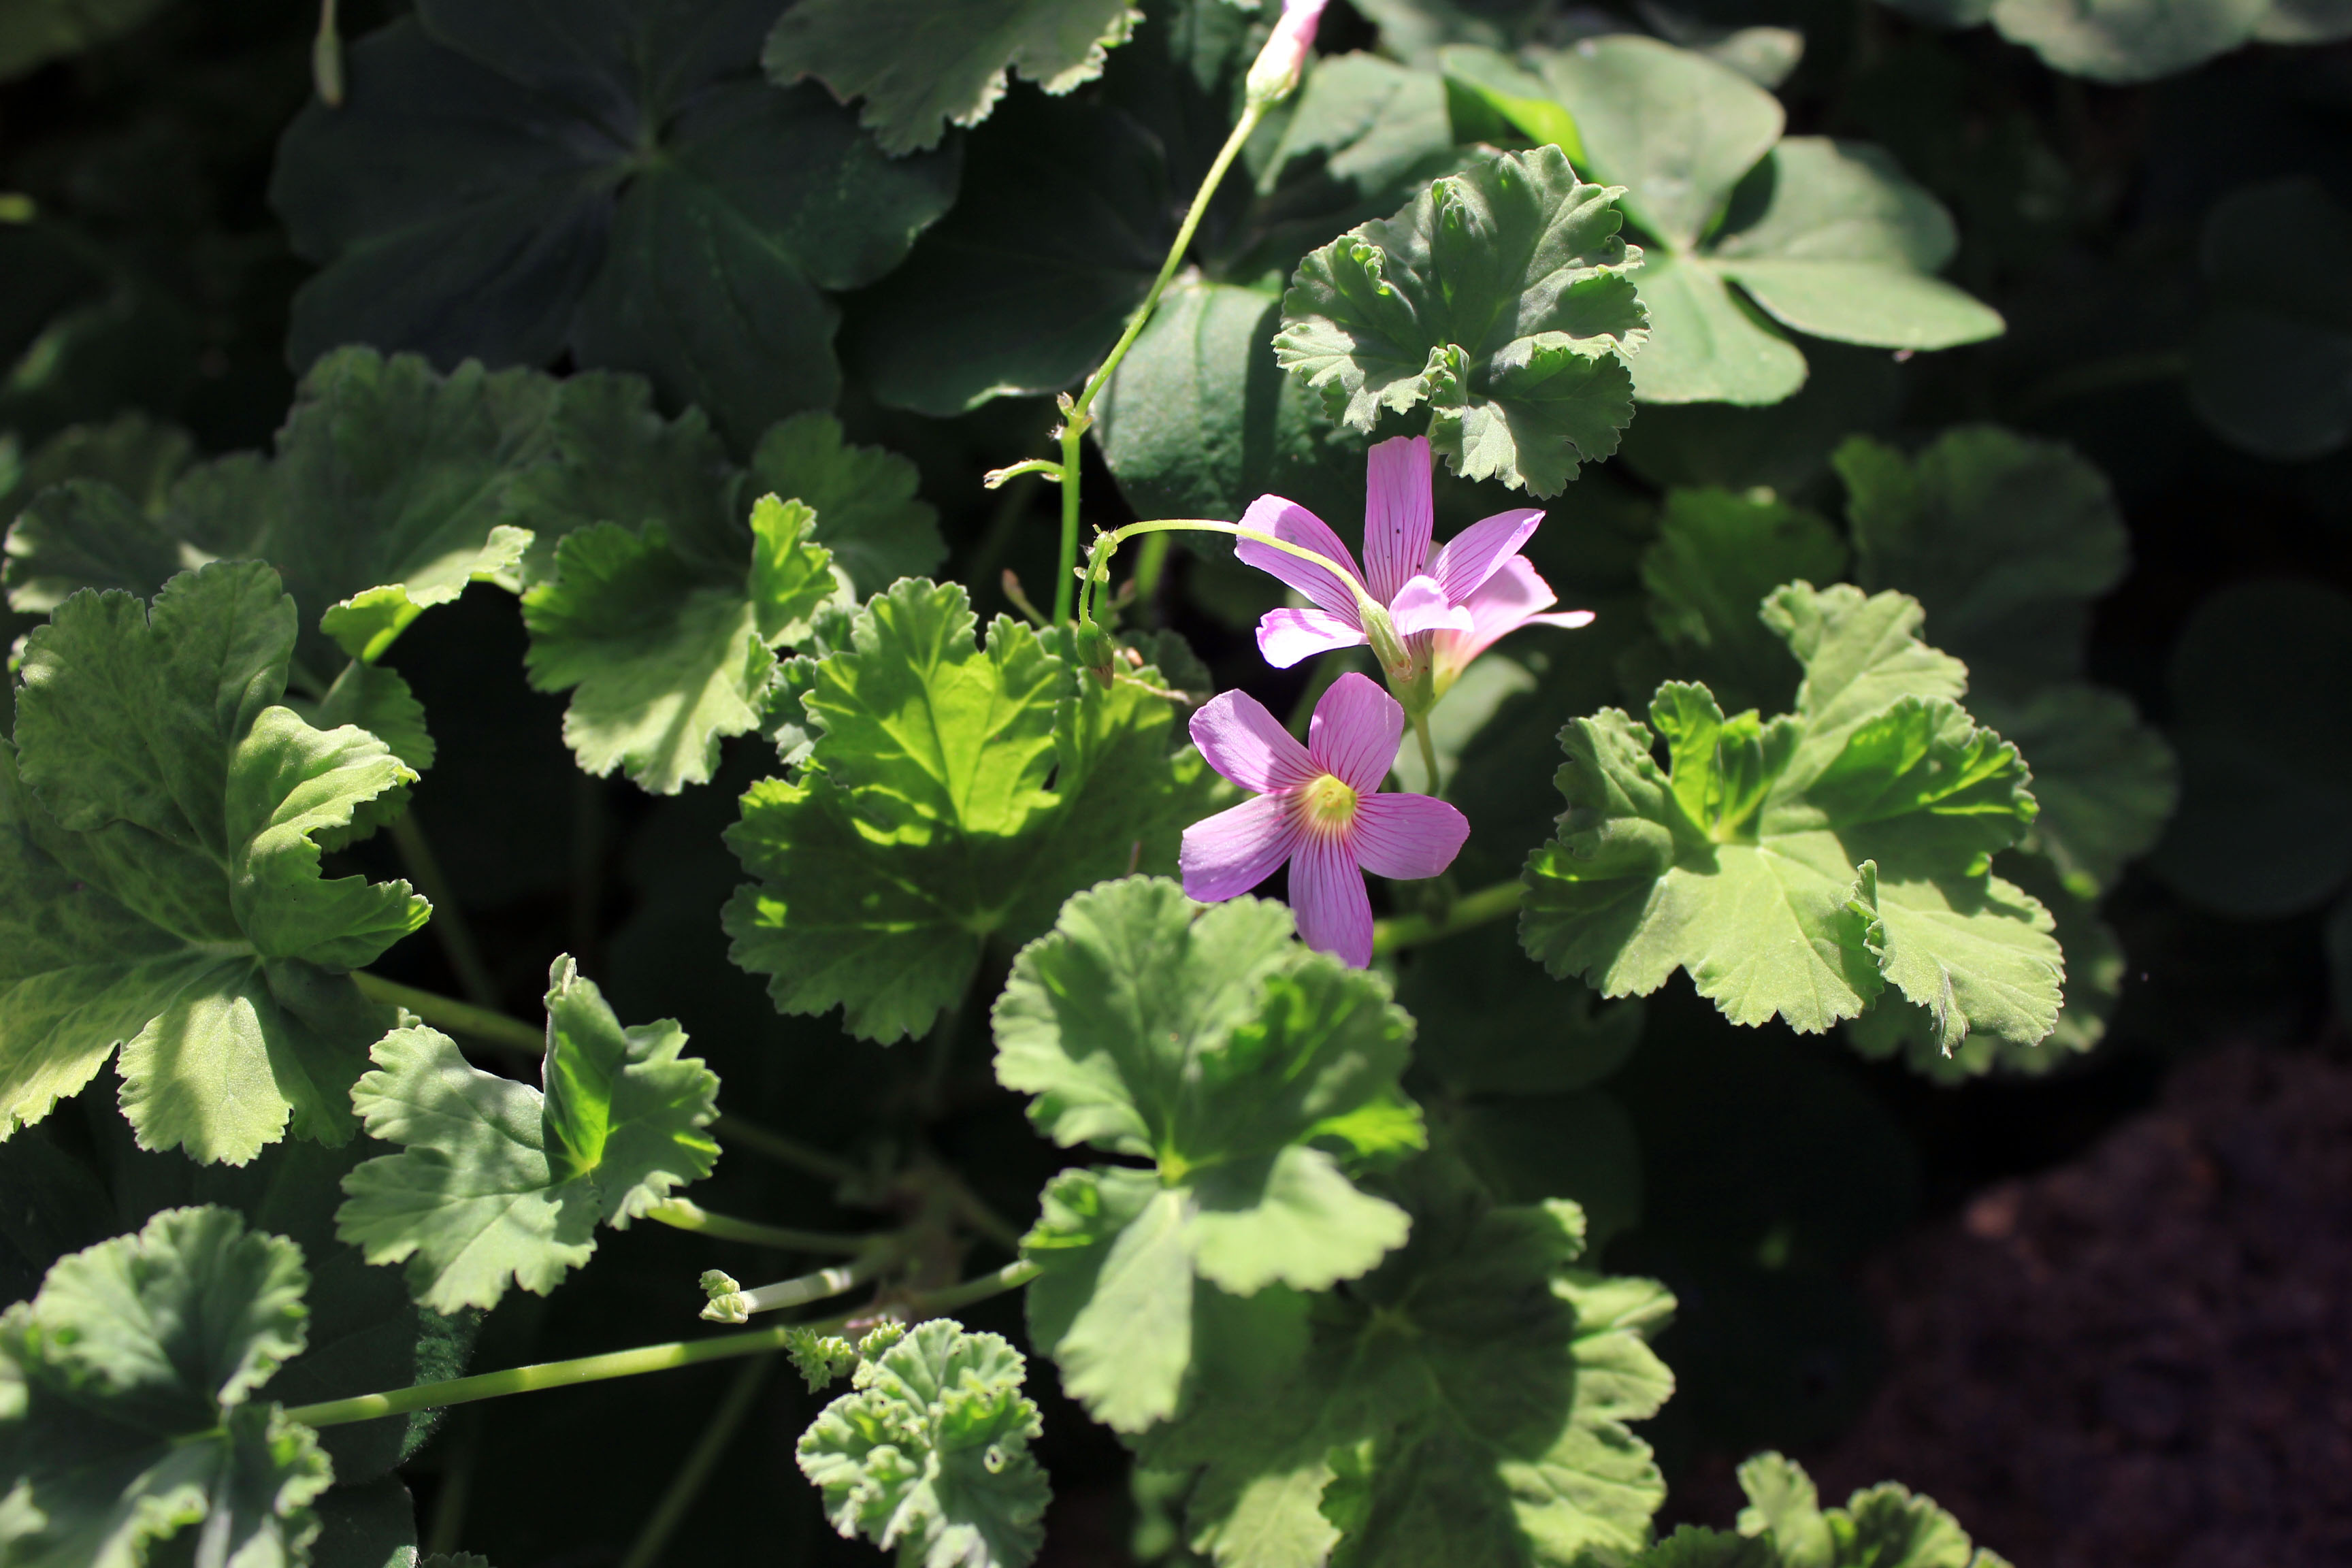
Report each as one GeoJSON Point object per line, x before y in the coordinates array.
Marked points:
{"type": "Point", "coordinates": [1278, 65]}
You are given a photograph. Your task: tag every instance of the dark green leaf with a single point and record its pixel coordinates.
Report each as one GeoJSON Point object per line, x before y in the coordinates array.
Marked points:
{"type": "Point", "coordinates": [2271, 367]}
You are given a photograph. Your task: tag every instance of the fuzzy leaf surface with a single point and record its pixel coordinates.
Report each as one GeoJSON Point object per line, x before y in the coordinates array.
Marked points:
{"type": "Point", "coordinates": [161, 873]}
{"type": "Point", "coordinates": [124, 1401]}
{"type": "Point", "coordinates": [1784, 1526]}
{"type": "Point", "coordinates": [497, 1181]}
{"type": "Point", "coordinates": [1794, 868]}
{"type": "Point", "coordinates": [1216, 1047]}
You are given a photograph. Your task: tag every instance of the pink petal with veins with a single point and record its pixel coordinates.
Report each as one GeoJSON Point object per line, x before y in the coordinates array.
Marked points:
{"type": "Point", "coordinates": [1225, 856]}
{"type": "Point", "coordinates": [1286, 637]}
{"type": "Point", "coordinates": [1286, 519]}
{"type": "Point", "coordinates": [1355, 732]}
{"type": "Point", "coordinates": [1406, 835]}
{"type": "Point", "coordinates": [1327, 897]}
{"type": "Point", "coordinates": [1398, 512]}
{"type": "Point", "coordinates": [1507, 601]}
{"type": "Point", "coordinates": [1421, 606]}
{"type": "Point", "coordinates": [1248, 745]}
{"type": "Point", "coordinates": [1473, 555]}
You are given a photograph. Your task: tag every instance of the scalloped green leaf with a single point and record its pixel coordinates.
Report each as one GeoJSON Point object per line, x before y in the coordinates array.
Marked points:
{"type": "Point", "coordinates": [123, 1412]}
{"type": "Point", "coordinates": [1795, 867]}
{"type": "Point", "coordinates": [867, 514]}
{"type": "Point", "coordinates": [1502, 299]}
{"type": "Point", "coordinates": [497, 1181]}
{"type": "Point", "coordinates": [930, 1453]}
{"type": "Point", "coordinates": [161, 873]}
{"type": "Point", "coordinates": [1217, 1047]}
{"type": "Point", "coordinates": [1467, 1402]}
{"type": "Point", "coordinates": [1784, 1526]}
{"type": "Point", "coordinates": [917, 828]}
{"type": "Point", "coordinates": [1716, 557]}
{"type": "Point", "coordinates": [921, 69]}
{"type": "Point", "coordinates": [615, 181]}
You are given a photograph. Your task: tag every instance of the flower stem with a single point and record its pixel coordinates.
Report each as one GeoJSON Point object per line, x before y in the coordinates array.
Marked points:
{"type": "Point", "coordinates": [644, 1358]}
{"type": "Point", "coordinates": [1076, 419]}
{"type": "Point", "coordinates": [1470, 910]}
{"type": "Point", "coordinates": [685, 1213]}
{"type": "Point", "coordinates": [497, 1029]}
{"type": "Point", "coordinates": [736, 1305]}
{"type": "Point", "coordinates": [688, 1484]}
{"type": "Point", "coordinates": [449, 925]}
{"type": "Point", "coordinates": [1429, 757]}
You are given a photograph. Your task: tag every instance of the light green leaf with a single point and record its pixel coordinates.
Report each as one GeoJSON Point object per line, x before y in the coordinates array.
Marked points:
{"type": "Point", "coordinates": [1501, 298]}
{"type": "Point", "coordinates": [866, 512]}
{"type": "Point", "coordinates": [921, 69]}
{"type": "Point", "coordinates": [2270, 369]}
{"type": "Point", "coordinates": [1796, 866]}
{"type": "Point", "coordinates": [650, 204]}
{"type": "Point", "coordinates": [919, 826]}
{"type": "Point", "coordinates": [1217, 1047]}
{"type": "Point", "coordinates": [1784, 1526]}
{"type": "Point", "coordinates": [1708, 343]}
{"type": "Point", "coordinates": [1467, 1401]}
{"type": "Point", "coordinates": [931, 1454]}
{"type": "Point", "coordinates": [2127, 41]}
{"type": "Point", "coordinates": [1513, 92]}
{"type": "Point", "coordinates": [123, 1413]}
{"type": "Point", "coordinates": [1716, 557]}
{"type": "Point", "coordinates": [161, 873]}
{"type": "Point", "coordinates": [497, 1179]}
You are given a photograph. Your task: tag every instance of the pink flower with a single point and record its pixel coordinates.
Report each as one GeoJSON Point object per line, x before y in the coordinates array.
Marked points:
{"type": "Point", "coordinates": [1318, 806]}
{"type": "Point", "coordinates": [1278, 65]}
{"type": "Point", "coordinates": [1449, 604]}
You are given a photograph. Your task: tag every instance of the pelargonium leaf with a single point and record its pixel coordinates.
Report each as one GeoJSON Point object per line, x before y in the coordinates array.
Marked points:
{"type": "Point", "coordinates": [1467, 1402]}
{"type": "Point", "coordinates": [1715, 558]}
{"type": "Point", "coordinates": [867, 514]}
{"type": "Point", "coordinates": [1502, 298]}
{"type": "Point", "coordinates": [161, 872]}
{"type": "Point", "coordinates": [124, 1401]}
{"type": "Point", "coordinates": [921, 69]}
{"type": "Point", "coordinates": [1795, 867]}
{"type": "Point", "coordinates": [930, 1453]}
{"type": "Point", "coordinates": [1785, 1526]}
{"type": "Point", "coordinates": [1215, 1045]}
{"type": "Point", "coordinates": [918, 826]}
{"type": "Point", "coordinates": [497, 1181]}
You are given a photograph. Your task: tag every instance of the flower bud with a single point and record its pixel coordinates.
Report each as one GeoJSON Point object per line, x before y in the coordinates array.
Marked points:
{"type": "Point", "coordinates": [1278, 65]}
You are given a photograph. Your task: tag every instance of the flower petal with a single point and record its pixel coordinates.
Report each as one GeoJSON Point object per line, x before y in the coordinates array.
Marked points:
{"type": "Point", "coordinates": [1227, 854]}
{"type": "Point", "coordinates": [1286, 519]}
{"type": "Point", "coordinates": [1355, 732]}
{"type": "Point", "coordinates": [1286, 637]}
{"type": "Point", "coordinates": [1421, 606]}
{"type": "Point", "coordinates": [1406, 835]}
{"type": "Point", "coordinates": [1248, 745]}
{"type": "Point", "coordinates": [1503, 603]}
{"type": "Point", "coordinates": [1327, 897]}
{"type": "Point", "coordinates": [1473, 555]}
{"type": "Point", "coordinates": [1397, 513]}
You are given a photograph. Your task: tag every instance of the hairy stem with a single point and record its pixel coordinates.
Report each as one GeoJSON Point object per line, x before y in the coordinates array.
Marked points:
{"type": "Point", "coordinates": [1485, 905]}
{"type": "Point", "coordinates": [814, 1285]}
{"type": "Point", "coordinates": [449, 926]}
{"type": "Point", "coordinates": [686, 1485]}
{"type": "Point", "coordinates": [642, 1360]}
{"type": "Point", "coordinates": [1075, 419]}
{"type": "Point", "coordinates": [1429, 758]}
{"type": "Point", "coordinates": [685, 1213]}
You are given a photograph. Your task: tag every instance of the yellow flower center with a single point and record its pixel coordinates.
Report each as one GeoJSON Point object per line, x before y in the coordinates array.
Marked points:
{"type": "Point", "coordinates": [1328, 803]}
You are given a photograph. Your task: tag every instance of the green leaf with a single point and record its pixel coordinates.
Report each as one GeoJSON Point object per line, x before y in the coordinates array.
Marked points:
{"type": "Point", "coordinates": [1708, 343]}
{"type": "Point", "coordinates": [1784, 1526]}
{"type": "Point", "coordinates": [2261, 702]}
{"type": "Point", "coordinates": [1466, 1403]}
{"type": "Point", "coordinates": [161, 873]}
{"type": "Point", "coordinates": [1502, 299]}
{"type": "Point", "coordinates": [866, 512]}
{"type": "Point", "coordinates": [1796, 866]}
{"type": "Point", "coordinates": [123, 1413]}
{"type": "Point", "coordinates": [1492, 1025]}
{"type": "Point", "coordinates": [2106, 782]}
{"type": "Point", "coordinates": [43, 31]}
{"type": "Point", "coordinates": [921, 69]}
{"type": "Point", "coordinates": [931, 1453]}
{"type": "Point", "coordinates": [499, 1181]}
{"type": "Point", "coordinates": [609, 180]}
{"type": "Point", "coordinates": [919, 826]}
{"type": "Point", "coordinates": [1215, 1045]}
{"type": "Point", "coordinates": [1784, 447]}
{"type": "Point", "coordinates": [1716, 559]}
{"type": "Point", "coordinates": [2270, 369]}
{"type": "Point", "coordinates": [1515, 95]}
{"type": "Point", "coordinates": [2127, 41]}
{"type": "Point", "coordinates": [135, 452]}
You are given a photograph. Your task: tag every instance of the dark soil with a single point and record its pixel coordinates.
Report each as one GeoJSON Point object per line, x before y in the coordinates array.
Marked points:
{"type": "Point", "coordinates": [2143, 1357]}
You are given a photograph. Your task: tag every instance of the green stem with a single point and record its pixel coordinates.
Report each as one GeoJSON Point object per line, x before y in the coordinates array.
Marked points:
{"type": "Point", "coordinates": [642, 1360]}
{"type": "Point", "coordinates": [1075, 418]}
{"type": "Point", "coordinates": [513, 1035]}
{"type": "Point", "coordinates": [2110, 375]}
{"type": "Point", "coordinates": [1429, 758]}
{"type": "Point", "coordinates": [814, 1285]}
{"type": "Point", "coordinates": [688, 1484]}
{"type": "Point", "coordinates": [456, 937]}
{"type": "Point", "coordinates": [1471, 909]}
{"type": "Point", "coordinates": [685, 1213]}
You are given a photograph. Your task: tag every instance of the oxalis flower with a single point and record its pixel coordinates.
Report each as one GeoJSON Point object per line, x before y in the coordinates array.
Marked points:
{"type": "Point", "coordinates": [1448, 604]}
{"type": "Point", "coordinates": [1320, 808]}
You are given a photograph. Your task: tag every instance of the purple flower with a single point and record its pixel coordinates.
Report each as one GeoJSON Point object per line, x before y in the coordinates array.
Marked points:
{"type": "Point", "coordinates": [1319, 806]}
{"type": "Point", "coordinates": [1449, 604]}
